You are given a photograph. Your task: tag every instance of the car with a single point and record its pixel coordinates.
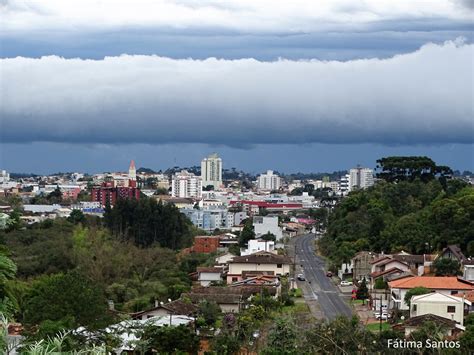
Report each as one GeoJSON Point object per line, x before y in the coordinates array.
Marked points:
{"type": "Point", "coordinates": [346, 283]}
{"type": "Point", "coordinates": [383, 316]}
{"type": "Point", "coordinates": [329, 274]}
{"type": "Point", "coordinates": [301, 277]}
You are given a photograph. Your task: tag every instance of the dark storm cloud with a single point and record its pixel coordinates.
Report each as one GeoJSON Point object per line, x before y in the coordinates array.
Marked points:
{"type": "Point", "coordinates": [422, 97]}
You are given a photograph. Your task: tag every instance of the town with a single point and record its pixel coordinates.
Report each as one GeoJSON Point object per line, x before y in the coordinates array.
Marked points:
{"type": "Point", "coordinates": [247, 241]}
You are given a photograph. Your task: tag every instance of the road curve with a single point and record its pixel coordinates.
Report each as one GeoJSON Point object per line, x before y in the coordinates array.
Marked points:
{"type": "Point", "coordinates": [320, 286]}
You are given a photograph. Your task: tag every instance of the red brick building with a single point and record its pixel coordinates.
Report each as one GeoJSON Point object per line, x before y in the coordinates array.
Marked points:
{"type": "Point", "coordinates": [108, 192]}
{"type": "Point", "coordinates": [206, 243]}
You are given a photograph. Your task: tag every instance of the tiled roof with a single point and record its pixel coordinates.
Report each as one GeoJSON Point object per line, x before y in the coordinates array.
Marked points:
{"type": "Point", "coordinates": [263, 257]}
{"type": "Point", "coordinates": [389, 260]}
{"type": "Point", "coordinates": [177, 307]}
{"type": "Point", "coordinates": [456, 250]}
{"type": "Point", "coordinates": [411, 259]}
{"type": "Point", "coordinates": [389, 271]}
{"type": "Point", "coordinates": [469, 295]}
{"type": "Point", "coordinates": [433, 282]}
{"type": "Point", "coordinates": [375, 261]}
{"type": "Point", "coordinates": [420, 320]}
{"type": "Point", "coordinates": [209, 269]}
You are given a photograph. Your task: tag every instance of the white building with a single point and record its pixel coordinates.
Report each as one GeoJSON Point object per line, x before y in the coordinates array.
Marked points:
{"type": "Point", "coordinates": [4, 176]}
{"type": "Point", "coordinates": [211, 171]}
{"type": "Point", "coordinates": [360, 178]}
{"type": "Point", "coordinates": [269, 181]}
{"type": "Point", "coordinates": [439, 304]}
{"type": "Point", "coordinates": [185, 184]}
{"type": "Point", "coordinates": [263, 225]}
{"type": "Point", "coordinates": [256, 245]}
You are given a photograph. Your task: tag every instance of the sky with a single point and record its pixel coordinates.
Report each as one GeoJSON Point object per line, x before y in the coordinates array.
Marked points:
{"type": "Point", "coordinates": [290, 86]}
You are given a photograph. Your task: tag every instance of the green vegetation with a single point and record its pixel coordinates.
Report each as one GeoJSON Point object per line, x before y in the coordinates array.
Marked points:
{"type": "Point", "coordinates": [146, 222]}
{"type": "Point", "coordinates": [375, 327]}
{"type": "Point", "coordinates": [420, 212]}
{"type": "Point", "coordinates": [415, 292]}
{"type": "Point", "coordinates": [446, 267]}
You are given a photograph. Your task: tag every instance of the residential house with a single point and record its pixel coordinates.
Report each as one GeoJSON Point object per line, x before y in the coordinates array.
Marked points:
{"type": "Point", "coordinates": [256, 245]}
{"type": "Point", "coordinates": [177, 307]}
{"type": "Point", "coordinates": [446, 306]}
{"type": "Point", "coordinates": [260, 261]}
{"type": "Point", "coordinates": [449, 327]}
{"type": "Point", "coordinates": [361, 265]}
{"type": "Point", "coordinates": [209, 275]}
{"type": "Point", "coordinates": [224, 259]}
{"type": "Point", "coordinates": [447, 285]}
{"type": "Point", "coordinates": [229, 299]}
{"type": "Point", "coordinates": [263, 225]}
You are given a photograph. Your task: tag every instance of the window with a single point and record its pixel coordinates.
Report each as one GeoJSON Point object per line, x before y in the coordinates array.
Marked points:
{"type": "Point", "coordinates": [414, 308]}
{"type": "Point", "coordinates": [451, 309]}
{"type": "Point", "coordinates": [454, 292]}
{"type": "Point", "coordinates": [279, 266]}
{"type": "Point", "coordinates": [235, 279]}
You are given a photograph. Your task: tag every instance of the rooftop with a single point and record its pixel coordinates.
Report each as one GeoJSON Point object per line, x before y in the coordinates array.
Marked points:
{"type": "Point", "coordinates": [433, 282]}
{"type": "Point", "coordinates": [262, 257]}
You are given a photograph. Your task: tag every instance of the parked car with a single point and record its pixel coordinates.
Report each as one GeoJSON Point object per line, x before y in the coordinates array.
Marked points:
{"type": "Point", "coordinates": [301, 277]}
{"type": "Point", "coordinates": [346, 283]}
{"type": "Point", "coordinates": [329, 274]}
{"type": "Point", "coordinates": [384, 316]}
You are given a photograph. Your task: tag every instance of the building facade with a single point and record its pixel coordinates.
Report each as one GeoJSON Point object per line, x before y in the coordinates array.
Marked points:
{"type": "Point", "coordinates": [263, 225]}
{"type": "Point", "coordinates": [186, 185]}
{"type": "Point", "coordinates": [360, 178]}
{"type": "Point", "coordinates": [211, 171]}
{"type": "Point", "coordinates": [269, 181]}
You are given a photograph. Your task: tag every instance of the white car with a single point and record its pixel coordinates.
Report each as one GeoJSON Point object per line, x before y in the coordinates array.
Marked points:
{"type": "Point", "coordinates": [383, 316]}
{"type": "Point", "coordinates": [346, 283]}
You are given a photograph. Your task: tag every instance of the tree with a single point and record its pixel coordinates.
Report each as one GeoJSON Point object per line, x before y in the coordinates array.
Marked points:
{"type": "Point", "coordinates": [416, 291]}
{"type": "Point", "coordinates": [171, 339]}
{"type": "Point", "coordinates": [247, 233]}
{"type": "Point", "coordinates": [268, 236]}
{"type": "Point", "coordinates": [446, 267]}
{"type": "Point", "coordinates": [209, 311]}
{"type": "Point", "coordinates": [7, 272]}
{"type": "Point", "coordinates": [70, 298]}
{"type": "Point", "coordinates": [282, 338]}
{"type": "Point", "coordinates": [56, 196]}
{"type": "Point", "coordinates": [77, 217]}
{"type": "Point", "coordinates": [362, 290]}
{"type": "Point", "coordinates": [393, 169]}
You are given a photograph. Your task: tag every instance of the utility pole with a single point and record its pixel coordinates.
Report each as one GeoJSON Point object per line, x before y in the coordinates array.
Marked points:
{"type": "Point", "coordinates": [380, 328]}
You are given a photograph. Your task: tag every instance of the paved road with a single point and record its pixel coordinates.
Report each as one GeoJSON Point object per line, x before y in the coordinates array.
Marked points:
{"type": "Point", "coordinates": [319, 286]}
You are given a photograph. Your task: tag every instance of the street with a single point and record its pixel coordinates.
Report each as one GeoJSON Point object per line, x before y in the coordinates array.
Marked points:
{"type": "Point", "coordinates": [318, 286]}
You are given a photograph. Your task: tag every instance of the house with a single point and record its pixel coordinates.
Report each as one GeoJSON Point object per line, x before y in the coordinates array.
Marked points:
{"type": "Point", "coordinates": [256, 245]}
{"type": "Point", "coordinates": [229, 299]}
{"type": "Point", "coordinates": [447, 285]}
{"type": "Point", "coordinates": [453, 252]}
{"type": "Point", "coordinates": [446, 306]}
{"type": "Point", "coordinates": [177, 307]}
{"type": "Point", "coordinates": [260, 261]}
{"type": "Point", "coordinates": [468, 295]}
{"type": "Point", "coordinates": [468, 271]}
{"type": "Point", "coordinates": [361, 267]}
{"type": "Point", "coordinates": [451, 328]}
{"type": "Point", "coordinates": [263, 225]}
{"type": "Point", "coordinates": [209, 275]}
{"type": "Point", "coordinates": [224, 259]}
{"type": "Point", "coordinates": [345, 271]}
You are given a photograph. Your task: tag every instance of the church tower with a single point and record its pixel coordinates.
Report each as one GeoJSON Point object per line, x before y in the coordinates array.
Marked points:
{"type": "Point", "coordinates": [132, 172]}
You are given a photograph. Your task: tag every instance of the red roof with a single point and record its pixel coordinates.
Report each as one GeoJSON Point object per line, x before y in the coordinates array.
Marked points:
{"type": "Point", "coordinates": [132, 164]}
{"type": "Point", "coordinates": [433, 283]}
{"type": "Point", "coordinates": [267, 204]}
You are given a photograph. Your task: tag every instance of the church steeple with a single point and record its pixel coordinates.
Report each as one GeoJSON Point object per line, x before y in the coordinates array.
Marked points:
{"type": "Point", "coordinates": [132, 172]}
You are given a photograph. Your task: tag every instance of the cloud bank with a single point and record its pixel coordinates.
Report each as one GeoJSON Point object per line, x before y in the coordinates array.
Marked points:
{"type": "Point", "coordinates": [234, 15]}
{"type": "Point", "coordinates": [424, 97]}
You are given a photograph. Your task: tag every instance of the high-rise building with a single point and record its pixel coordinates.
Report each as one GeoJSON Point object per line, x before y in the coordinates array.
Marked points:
{"type": "Point", "coordinates": [185, 184]}
{"type": "Point", "coordinates": [211, 171]}
{"type": "Point", "coordinates": [269, 181]}
{"type": "Point", "coordinates": [4, 176]}
{"type": "Point", "coordinates": [360, 178]}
